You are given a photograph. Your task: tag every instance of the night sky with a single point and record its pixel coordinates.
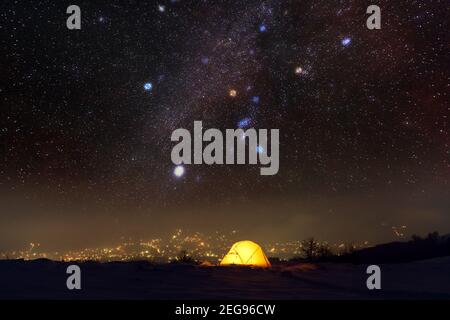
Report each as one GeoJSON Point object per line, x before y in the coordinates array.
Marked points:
{"type": "Point", "coordinates": [86, 119]}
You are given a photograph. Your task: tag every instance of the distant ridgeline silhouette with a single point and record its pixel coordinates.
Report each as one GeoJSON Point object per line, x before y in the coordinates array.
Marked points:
{"type": "Point", "coordinates": [418, 248]}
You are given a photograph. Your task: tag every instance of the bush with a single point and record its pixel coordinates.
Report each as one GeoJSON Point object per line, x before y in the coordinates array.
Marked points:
{"type": "Point", "coordinates": [183, 257]}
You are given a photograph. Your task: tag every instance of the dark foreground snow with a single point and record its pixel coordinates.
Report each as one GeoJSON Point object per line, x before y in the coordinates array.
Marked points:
{"type": "Point", "coordinates": [42, 279]}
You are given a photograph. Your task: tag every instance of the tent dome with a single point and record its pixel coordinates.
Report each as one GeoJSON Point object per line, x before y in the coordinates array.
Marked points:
{"type": "Point", "coordinates": [246, 253]}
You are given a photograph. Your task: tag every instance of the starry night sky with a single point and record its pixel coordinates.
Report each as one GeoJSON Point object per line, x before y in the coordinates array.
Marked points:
{"type": "Point", "coordinates": [86, 118]}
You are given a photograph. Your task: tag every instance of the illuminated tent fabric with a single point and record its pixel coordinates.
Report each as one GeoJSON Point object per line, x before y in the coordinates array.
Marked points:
{"type": "Point", "coordinates": [245, 253]}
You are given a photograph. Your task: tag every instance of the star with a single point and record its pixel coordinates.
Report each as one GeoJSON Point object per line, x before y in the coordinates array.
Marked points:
{"type": "Point", "coordinates": [255, 99]}
{"type": "Point", "coordinates": [262, 27]}
{"type": "Point", "coordinates": [178, 171]}
{"type": "Point", "coordinates": [244, 122]}
{"type": "Point", "coordinates": [148, 86]}
{"type": "Point", "coordinates": [346, 41]}
{"type": "Point", "coordinates": [205, 60]}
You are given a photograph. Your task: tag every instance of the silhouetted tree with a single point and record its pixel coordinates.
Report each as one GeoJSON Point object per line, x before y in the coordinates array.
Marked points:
{"type": "Point", "coordinates": [324, 251]}
{"type": "Point", "coordinates": [310, 248]}
{"type": "Point", "coordinates": [349, 248]}
{"type": "Point", "coordinates": [184, 257]}
{"type": "Point", "coordinates": [433, 238]}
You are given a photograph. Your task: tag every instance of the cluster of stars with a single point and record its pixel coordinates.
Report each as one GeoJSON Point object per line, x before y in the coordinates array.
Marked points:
{"type": "Point", "coordinates": [88, 115]}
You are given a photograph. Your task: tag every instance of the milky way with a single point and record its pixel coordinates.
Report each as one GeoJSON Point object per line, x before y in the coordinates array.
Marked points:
{"type": "Point", "coordinates": [87, 114]}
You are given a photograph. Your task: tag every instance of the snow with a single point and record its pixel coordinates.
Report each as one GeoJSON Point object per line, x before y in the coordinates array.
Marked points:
{"type": "Point", "coordinates": [429, 279]}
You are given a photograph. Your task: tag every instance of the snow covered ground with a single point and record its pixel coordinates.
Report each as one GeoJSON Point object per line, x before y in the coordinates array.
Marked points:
{"type": "Point", "coordinates": [428, 279]}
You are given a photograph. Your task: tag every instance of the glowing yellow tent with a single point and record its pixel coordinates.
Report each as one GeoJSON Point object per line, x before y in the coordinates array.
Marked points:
{"type": "Point", "coordinates": [246, 253]}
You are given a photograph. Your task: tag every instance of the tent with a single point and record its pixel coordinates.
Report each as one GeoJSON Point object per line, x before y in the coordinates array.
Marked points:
{"type": "Point", "coordinates": [246, 253]}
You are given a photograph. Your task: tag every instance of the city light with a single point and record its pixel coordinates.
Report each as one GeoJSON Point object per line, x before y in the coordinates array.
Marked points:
{"type": "Point", "coordinates": [162, 250]}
